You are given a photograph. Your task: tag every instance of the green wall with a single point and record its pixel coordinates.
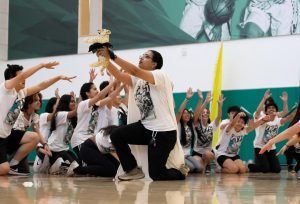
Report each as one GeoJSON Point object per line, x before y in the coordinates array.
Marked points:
{"type": "Point", "coordinates": [249, 99]}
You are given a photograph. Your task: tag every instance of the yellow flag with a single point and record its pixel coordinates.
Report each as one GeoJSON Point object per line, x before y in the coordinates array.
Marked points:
{"type": "Point", "coordinates": [216, 92]}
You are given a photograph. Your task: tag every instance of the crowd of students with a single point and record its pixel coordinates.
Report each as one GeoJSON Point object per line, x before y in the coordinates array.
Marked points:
{"type": "Point", "coordinates": [92, 136]}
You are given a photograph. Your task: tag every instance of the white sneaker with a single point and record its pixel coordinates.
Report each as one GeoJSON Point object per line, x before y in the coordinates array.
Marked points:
{"type": "Point", "coordinates": [55, 167]}
{"type": "Point", "coordinates": [72, 166]}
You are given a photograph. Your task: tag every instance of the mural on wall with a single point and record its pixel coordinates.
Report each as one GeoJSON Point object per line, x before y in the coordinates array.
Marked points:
{"type": "Point", "coordinates": [144, 23]}
{"type": "Point", "coordinates": [42, 28]}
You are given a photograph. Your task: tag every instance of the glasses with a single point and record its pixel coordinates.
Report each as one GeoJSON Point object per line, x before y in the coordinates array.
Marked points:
{"type": "Point", "coordinates": [145, 56]}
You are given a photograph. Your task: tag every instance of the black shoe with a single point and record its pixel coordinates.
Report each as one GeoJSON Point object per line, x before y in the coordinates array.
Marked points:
{"type": "Point", "coordinates": [290, 168]}
{"type": "Point", "coordinates": [207, 169]}
{"type": "Point", "coordinates": [16, 170]}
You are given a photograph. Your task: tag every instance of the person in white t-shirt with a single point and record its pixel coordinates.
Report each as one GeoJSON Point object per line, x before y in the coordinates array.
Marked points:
{"type": "Point", "coordinates": [231, 112]}
{"type": "Point", "coordinates": [28, 117]}
{"type": "Point", "coordinates": [89, 111]}
{"type": "Point", "coordinates": [62, 126]}
{"type": "Point", "coordinates": [186, 132]}
{"type": "Point", "coordinates": [205, 130]}
{"type": "Point", "coordinates": [232, 137]}
{"type": "Point", "coordinates": [13, 91]}
{"type": "Point", "coordinates": [41, 163]}
{"type": "Point", "coordinates": [151, 91]}
{"type": "Point", "coordinates": [99, 155]}
{"type": "Point", "coordinates": [267, 162]}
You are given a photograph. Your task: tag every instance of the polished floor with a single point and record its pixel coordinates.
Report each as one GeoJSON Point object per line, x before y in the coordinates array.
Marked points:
{"type": "Point", "coordinates": [197, 188]}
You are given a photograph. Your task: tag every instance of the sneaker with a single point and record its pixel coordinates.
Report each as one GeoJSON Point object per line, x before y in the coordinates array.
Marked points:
{"type": "Point", "coordinates": [71, 168]}
{"type": "Point", "coordinates": [16, 170]}
{"type": "Point", "coordinates": [184, 169]}
{"type": "Point", "coordinates": [136, 173]}
{"type": "Point", "coordinates": [55, 167]}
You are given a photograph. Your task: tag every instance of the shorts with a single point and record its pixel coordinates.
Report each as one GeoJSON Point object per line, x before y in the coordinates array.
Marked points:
{"type": "Point", "coordinates": [200, 155]}
{"type": "Point", "coordinates": [221, 159]}
{"type": "Point", "coordinates": [3, 150]}
{"type": "Point", "coordinates": [13, 140]}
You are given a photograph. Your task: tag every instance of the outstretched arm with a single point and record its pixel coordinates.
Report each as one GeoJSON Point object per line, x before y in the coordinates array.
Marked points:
{"type": "Point", "coordinates": [45, 84]}
{"type": "Point", "coordinates": [11, 83]}
{"type": "Point", "coordinates": [220, 105]}
{"type": "Point", "coordinates": [285, 110]}
{"type": "Point", "coordinates": [188, 96]}
{"type": "Point", "coordinates": [128, 67]}
{"type": "Point", "coordinates": [286, 134]}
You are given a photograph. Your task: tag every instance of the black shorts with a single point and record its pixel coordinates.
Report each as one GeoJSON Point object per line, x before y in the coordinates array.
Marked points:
{"type": "Point", "coordinates": [3, 150]}
{"type": "Point", "coordinates": [221, 159]}
{"type": "Point", "coordinates": [200, 155]}
{"type": "Point", "coordinates": [13, 140]}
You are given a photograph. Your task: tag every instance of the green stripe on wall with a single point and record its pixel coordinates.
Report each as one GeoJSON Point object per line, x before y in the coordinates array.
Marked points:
{"type": "Point", "coordinates": [246, 98]}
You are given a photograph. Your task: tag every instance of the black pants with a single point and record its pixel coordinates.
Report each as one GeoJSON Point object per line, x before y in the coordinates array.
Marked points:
{"type": "Point", "coordinates": [291, 154]}
{"type": "Point", "coordinates": [158, 152]}
{"type": "Point", "coordinates": [266, 162]}
{"type": "Point", "coordinates": [65, 155]}
{"type": "Point", "coordinates": [97, 163]}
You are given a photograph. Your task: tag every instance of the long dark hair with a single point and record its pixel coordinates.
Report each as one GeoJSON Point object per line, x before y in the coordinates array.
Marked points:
{"type": "Point", "coordinates": [157, 58]}
{"type": "Point", "coordinates": [50, 104]}
{"type": "Point", "coordinates": [63, 105]}
{"type": "Point", "coordinates": [29, 100]}
{"type": "Point", "coordinates": [182, 133]}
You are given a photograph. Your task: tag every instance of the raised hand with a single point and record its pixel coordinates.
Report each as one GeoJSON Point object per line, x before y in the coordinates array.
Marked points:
{"type": "Point", "coordinates": [62, 77]}
{"type": "Point", "coordinates": [267, 94]}
{"type": "Point", "coordinates": [93, 74]}
{"type": "Point", "coordinates": [208, 98]}
{"type": "Point", "coordinates": [284, 96]}
{"type": "Point", "coordinates": [189, 94]}
{"type": "Point", "coordinates": [50, 65]}
{"type": "Point", "coordinates": [221, 100]}
{"type": "Point", "coordinates": [200, 94]}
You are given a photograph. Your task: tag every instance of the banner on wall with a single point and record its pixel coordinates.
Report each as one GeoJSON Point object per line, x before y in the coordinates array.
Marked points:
{"type": "Point", "coordinates": [144, 23]}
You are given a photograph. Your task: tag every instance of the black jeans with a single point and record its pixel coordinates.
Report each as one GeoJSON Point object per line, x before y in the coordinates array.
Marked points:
{"type": "Point", "coordinates": [266, 162]}
{"type": "Point", "coordinates": [97, 163]}
{"type": "Point", "coordinates": [158, 152]}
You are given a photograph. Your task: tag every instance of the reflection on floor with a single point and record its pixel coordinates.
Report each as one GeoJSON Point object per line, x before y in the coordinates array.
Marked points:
{"type": "Point", "coordinates": [197, 188]}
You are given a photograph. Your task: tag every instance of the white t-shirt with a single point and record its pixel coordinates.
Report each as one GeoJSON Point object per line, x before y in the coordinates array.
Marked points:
{"type": "Point", "coordinates": [23, 124]}
{"type": "Point", "coordinates": [104, 118]}
{"type": "Point", "coordinates": [83, 117]}
{"type": "Point", "coordinates": [204, 140]}
{"type": "Point", "coordinates": [225, 121]}
{"type": "Point", "coordinates": [114, 116]}
{"type": "Point", "coordinates": [266, 132]}
{"type": "Point", "coordinates": [230, 142]}
{"type": "Point", "coordinates": [45, 125]}
{"type": "Point", "coordinates": [57, 139]}
{"type": "Point", "coordinates": [103, 142]}
{"type": "Point", "coordinates": [8, 115]}
{"type": "Point", "coordinates": [152, 102]}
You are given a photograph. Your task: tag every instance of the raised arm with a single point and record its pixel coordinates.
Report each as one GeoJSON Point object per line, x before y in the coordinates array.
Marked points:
{"type": "Point", "coordinates": [188, 96]}
{"type": "Point", "coordinates": [57, 95]}
{"type": "Point", "coordinates": [220, 105]}
{"type": "Point", "coordinates": [285, 110]}
{"type": "Point", "coordinates": [45, 84]}
{"type": "Point", "coordinates": [261, 104]}
{"type": "Point", "coordinates": [11, 83]}
{"type": "Point", "coordinates": [253, 125]}
{"type": "Point", "coordinates": [200, 107]}
{"type": "Point", "coordinates": [111, 96]}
